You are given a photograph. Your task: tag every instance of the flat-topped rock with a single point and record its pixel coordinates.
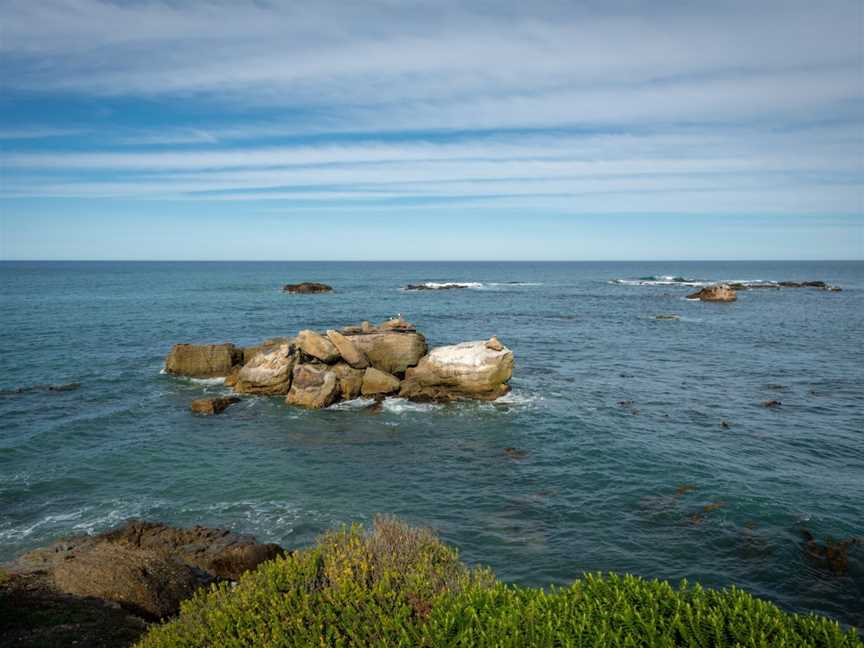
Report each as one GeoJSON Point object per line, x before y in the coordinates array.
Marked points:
{"type": "Point", "coordinates": [391, 351]}
{"type": "Point", "coordinates": [306, 288]}
{"type": "Point", "coordinates": [212, 406]}
{"type": "Point", "coordinates": [203, 360]}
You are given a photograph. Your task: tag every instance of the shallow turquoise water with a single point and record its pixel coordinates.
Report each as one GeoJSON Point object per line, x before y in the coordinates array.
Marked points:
{"type": "Point", "coordinates": [596, 490]}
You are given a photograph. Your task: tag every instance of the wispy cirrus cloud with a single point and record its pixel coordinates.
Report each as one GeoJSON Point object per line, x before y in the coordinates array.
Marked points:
{"type": "Point", "coordinates": [715, 108]}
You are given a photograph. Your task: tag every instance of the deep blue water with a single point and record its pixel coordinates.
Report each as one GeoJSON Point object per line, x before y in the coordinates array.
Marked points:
{"type": "Point", "coordinates": [597, 488]}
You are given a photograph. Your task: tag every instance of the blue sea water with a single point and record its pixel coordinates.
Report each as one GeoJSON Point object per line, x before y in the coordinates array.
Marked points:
{"type": "Point", "coordinates": [619, 416]}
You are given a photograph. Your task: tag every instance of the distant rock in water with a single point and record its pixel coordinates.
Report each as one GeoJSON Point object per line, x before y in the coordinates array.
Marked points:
{"type": "Point", "coordinates": [15, 391]}
{"type": "Point", "coordinates": [716, 293]}
{"type": "Point", "coordinates": [667, 317]}
{"type": "Point", "coordinates": [771, 404]}
{"type": "Point", "coordinates": [211, 406]}
{"type": "Point", "coordinates": [431, 285]}
{"type": "Point", "coordinates": [306, 288]}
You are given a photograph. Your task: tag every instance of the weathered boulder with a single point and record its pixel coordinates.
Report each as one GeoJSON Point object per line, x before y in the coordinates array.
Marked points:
{"type": "Point", "coordinates": [313, 386]}
{"type": "Point", "coordinates": [350, 380]}
{"type": "Point", "coordinates": [219, 552]}
{"type": "Point", "coordinates": [377, 382]}
{"type": "Point", "coordinates": [391, 351]}
{"type": "Point", "coordinates": [476, 370]}
{"type": "Point", "coordinates": [316, 345]}
{"type": "Point", "coordinates": [269, 372]}
{"type": "Point", "coordinates": [350, 353]}
{"type": "Point", "coordinates": [147, 582]}
{"type": "Point", "coordinates": [145, 566]}
{"type": "Point", "coordinates": [203, 360]}
{"type": "Point", "coordinates": [211, 406]}
{"type": "Point", "coordinates": [307, 287]}
{"type": "Point", "coordinates": [396, 324]}
{"type": "Point", "coordinates": [716, 293]}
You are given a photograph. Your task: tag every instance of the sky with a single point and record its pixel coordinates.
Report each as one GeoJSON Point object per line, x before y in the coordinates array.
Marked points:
{"type": "Point", "coordinates": [451, 130]}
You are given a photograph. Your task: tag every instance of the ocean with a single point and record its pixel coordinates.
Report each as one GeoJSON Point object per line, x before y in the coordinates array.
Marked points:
{"type": "Point", "coordinates": [636, 444]}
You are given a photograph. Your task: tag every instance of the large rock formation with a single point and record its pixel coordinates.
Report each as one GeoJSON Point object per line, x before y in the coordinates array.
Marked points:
{"type": "Point", "coordinates": [203, 360]}
{"type": "Point", "coordinates": [313, 386]}
{"type": "Point", "coordinates": [269, 372]}
{"type": "Point", "coordinates": [715, 293]}
{"type": "Point", "coordinates": [144, 566]}
{"type": "Point", "coordinates": [315, 370]}
{"type": "Point", "coordinates": [477, 370]}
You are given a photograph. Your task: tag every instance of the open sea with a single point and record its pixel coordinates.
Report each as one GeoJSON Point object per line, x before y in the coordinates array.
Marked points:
{"type": "Point", "coordinates": [621, 463]}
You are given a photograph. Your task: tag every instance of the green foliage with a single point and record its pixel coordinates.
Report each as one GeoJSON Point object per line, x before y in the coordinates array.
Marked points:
{"type": "Point", "coordinates": [399, 586]}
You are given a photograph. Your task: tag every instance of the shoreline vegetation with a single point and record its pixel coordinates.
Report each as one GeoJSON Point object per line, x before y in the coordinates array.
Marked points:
{"type": "Point", "coordinates": [391, 585]}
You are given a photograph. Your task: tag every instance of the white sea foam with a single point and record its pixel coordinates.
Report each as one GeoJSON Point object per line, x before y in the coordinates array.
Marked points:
{"type": "Point", "coordinates": [357, 403]}
{"type": "Point", "coordinates": [208, 381]}
{"type": "Point", "coordinates": [471, 285]}
{"type": "Point", "coordinates": [403, 405]}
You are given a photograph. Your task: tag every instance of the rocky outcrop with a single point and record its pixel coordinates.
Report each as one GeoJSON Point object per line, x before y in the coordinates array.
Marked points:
{"type": "Point", "coordinates": [269, 372]}
{"type": "Point", "coordinates": [211, 406]}
{"type": "Point", "coordinates": [313, 387]}
{"type": "Point", "coordinates": [715, 293]}
{"type": "Point", "coordinates": [317, 346]}
{"type": "Point", "coordinates": [203, 360]}
{"type": "Point", "coordinates": [350, 353]}
{"type": "Point", "coordinates": [146, 582]}
{"type": "Point", "coordinates": [379, 383]}
{"type": "Point", "coordinates": [315, 370]}
{"type": "Point", "coordinates": [146, 567]}
{"type": "Point", "coordinates": [305, 288]}
{"type": "Point", "coordinates": [219, 552]}
{"type": "Point", "coordinates": [477, 370]}
{"type": "Point", "coordinates": [391, 351]}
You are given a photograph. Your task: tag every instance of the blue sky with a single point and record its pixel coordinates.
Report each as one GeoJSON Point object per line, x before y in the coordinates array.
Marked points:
{"type": "Point", "coordinates": [431, 130]}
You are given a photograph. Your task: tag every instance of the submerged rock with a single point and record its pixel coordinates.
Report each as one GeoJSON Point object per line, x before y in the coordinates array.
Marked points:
{"type": "Point", "coordinates": [832, 555]}
{"type": "Point", "coordinates": [667, 317]}
{"type": "Point", "coordinates": [307, 287]}
{"type": "Point", "coordinates": [466, 370]}
{"type": "Point", "coordinates": [313, 386]}
{"type": "Point", "coordinates": [269, 372]}
{"type": "Point", "coordinates": [716, 293]}
{"type": "Point", "coordinates": [40, 388]}
{"type": "Point", "coordinates": [771, 404]}
{"type": "Point", "coordinates": [211, 406]}
{"type": "Point", "coordinates": [203, 360]}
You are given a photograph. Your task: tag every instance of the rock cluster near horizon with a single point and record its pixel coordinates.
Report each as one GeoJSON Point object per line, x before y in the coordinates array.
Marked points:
{"type": "Point", "coordinates": [315, 370]}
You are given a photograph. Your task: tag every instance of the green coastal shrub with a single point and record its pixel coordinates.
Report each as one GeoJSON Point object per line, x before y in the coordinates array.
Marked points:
{"type": "Point", "coordinates": [400, 586]}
